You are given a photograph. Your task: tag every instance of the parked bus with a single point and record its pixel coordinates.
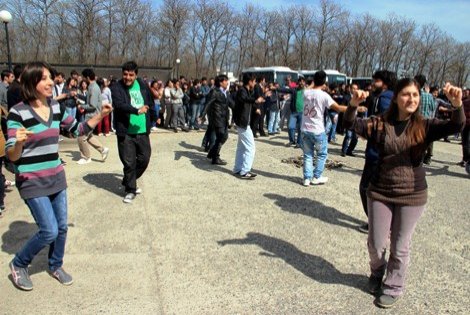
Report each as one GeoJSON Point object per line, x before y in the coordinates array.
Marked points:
{"type": "Point", "coordinates": [335, 78]}
{"type": "Point", "coordinates": [273, 74]}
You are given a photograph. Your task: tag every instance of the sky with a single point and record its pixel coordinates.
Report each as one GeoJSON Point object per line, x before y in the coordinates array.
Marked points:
{"type": "Point", "coordinates": [452, 16]}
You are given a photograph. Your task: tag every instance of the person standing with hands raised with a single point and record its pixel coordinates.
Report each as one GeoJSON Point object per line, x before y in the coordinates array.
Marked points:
{"type": "Point", "coordinates": [397, 194]}
{"type": "Point", "coordinates": [33, 142]}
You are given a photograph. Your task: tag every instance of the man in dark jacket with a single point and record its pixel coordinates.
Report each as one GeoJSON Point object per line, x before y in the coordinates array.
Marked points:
{"type": "Point", "coordinates": [133, 115]}
{"type": "Point", "coordinates": [384, 83]}
{"type": "Point", "coordinates": [245, 101]}
{"type": "Point", "coordinates": [14, 90]}
{"type": "Point", "coordinates": [258, 111]}
{"type": "Point", "coordinates": [217, 107]}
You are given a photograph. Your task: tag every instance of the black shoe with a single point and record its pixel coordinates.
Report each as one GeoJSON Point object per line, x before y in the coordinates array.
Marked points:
{"type": "Point", "coordinates": [364, 228]}
{"type": "Point", "coordinates": [219, 162]}
{"type": "Point", "coordinates": [247, 176]}
{"type": "Point", "coordinates": [297, 146]}
{"type": "Point", "coordinates": [343, 154]}
{"type": "Point", "coordinates": [350, 154]}
{"type": "Point", "coordinates": [175, 130]}
{"type": "Point", "coordinates": [263, 135]}
{"type": "Point", "coordinates": [461, 163]}
{"type": "Point", "coordinates": [185, 129]}
{"type": "Point", "coordinates": [253, 174]}
{"type": "Point", "coordinates": [256, 136]}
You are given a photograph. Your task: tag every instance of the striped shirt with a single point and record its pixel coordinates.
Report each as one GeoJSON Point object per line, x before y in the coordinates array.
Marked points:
{"type": "Point", "coordinates": [39, 171]}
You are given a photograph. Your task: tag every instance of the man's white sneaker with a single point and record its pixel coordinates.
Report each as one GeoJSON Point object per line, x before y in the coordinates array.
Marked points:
{"type": "Point", "coordinates": [138, 191]}
{"type": "Point", "coordinates": [84, 161]}
{"type": "Point", "coordinates": [153, 129]}
{"type": "Point", "coordinates": [129, 197]}
{"type": "Point", "coordinates": [104, 154]}
{"type": "Point", "coordinates": [319, 181]}
{"type": "Point", "coordinates": [306, 182]}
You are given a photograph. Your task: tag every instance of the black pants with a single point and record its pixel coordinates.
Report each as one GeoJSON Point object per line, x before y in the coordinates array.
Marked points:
{"type": "Point", "coordinates": [466, 144]}
{"type": "Point", "coordinates": [369, 169]}
{"type": "Point", "coordinates": [221, 136]}
{"type": "Point", "coordinates": [134, 152]}
{"type": "Point", "coordinates": [2, 183]}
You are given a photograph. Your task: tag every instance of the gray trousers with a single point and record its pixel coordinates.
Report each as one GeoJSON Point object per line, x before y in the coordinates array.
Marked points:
{"type": "Point", "coordinates": [398, 222]}
{"type": "Point", "coordinates": [177, 117]}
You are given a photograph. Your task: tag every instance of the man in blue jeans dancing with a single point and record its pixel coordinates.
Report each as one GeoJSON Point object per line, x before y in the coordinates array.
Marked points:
{"type": "Point", "coordinates": [314, 139]}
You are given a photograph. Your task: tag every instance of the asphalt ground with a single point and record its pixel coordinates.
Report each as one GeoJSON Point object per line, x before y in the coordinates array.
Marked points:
{"type": "Point", "coordinates": [201, 241]}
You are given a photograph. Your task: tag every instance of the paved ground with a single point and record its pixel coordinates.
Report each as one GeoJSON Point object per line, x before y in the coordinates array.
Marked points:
{"type": "Point", "coordinates": [200, 241]}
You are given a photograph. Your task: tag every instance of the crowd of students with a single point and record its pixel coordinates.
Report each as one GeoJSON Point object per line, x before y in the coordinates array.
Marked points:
{"type": "Point", "coordinates": [400, 119]}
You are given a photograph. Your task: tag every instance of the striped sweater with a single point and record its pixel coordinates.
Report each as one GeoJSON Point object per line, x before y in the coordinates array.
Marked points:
{"type": "Point", "coordinates": [39, 171]}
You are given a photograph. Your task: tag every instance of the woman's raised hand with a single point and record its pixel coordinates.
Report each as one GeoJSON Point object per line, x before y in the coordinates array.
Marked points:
{"type": "Point", "coordinates": [454, 94]}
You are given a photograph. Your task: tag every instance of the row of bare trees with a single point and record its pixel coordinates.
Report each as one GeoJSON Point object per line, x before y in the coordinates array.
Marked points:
{"type": "Point", "coordinates": [210, 36]}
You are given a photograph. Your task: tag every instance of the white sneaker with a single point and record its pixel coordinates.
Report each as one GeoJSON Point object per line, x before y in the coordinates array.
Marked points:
{"type": "Point", "coordinates": [84, 161]}
{"type": "Point", "coordinates": [320, 181]}
{"type": "Point", "coordinates": [306, 182]}
{"type": "Point", "coordinates": [138, 191]}
{"type": "Point", "coordinates": [104, 154]}
{"type": "Point", "coordinates": [153, 129]}
{"type": "Point", "coordinates": [129, 197]}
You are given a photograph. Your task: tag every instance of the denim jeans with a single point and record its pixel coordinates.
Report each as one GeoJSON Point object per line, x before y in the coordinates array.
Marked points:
{"type": "Point", "coordinates": [295, 120]}
{"type": "Point", "coordinates": [349, 142]}
{"type": "Point", "coordinates": [274, 117]}
{"type": "Point", "coordinates": [314, 144]}
{"type": "Point", "coordinates": [331, 122]}
{"type": "Point", "coordinates": [195, 112]}
{"type": "Point", "coordinates": [72, 111]}
{"type": "Point", "coordinates": [157, 114]}
{"type": "Point", "coordinates": [245, 151]}
{"type": "Point", "coordinates": [50, 214]}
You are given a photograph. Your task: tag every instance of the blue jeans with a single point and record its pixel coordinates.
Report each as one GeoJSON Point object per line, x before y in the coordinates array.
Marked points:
{"type": "Point", "coordinates": [245, 151]}
{"type": "Point", "coordinates": [274, 117]}
{"type": "Point", "coordinates": [331, 122]}
{"type": "Point", "coordinates": [312, 143]}
{"type": "Point", "coordinates": [50, 214]}
{"type": "Point", "coordinates": [349, 142]}
{"type": "Point", "coordinates": [157, 114]}
{"type": "Point", "coordinates": [196, 110]}
{"type": "Point", "coordinates": [295, 120]}
{"type": "Point", "coordinates": [72, 111]}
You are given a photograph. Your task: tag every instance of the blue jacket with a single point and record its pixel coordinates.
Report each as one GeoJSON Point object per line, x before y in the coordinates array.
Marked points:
{"type": "Point", "coordinates": [379, 107]}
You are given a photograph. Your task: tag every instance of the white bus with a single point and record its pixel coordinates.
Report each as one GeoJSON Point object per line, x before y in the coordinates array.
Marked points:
{"type": "Point", "coordinates": [335, 78]}
{"type": "Point", "coordinates": [273, 74]}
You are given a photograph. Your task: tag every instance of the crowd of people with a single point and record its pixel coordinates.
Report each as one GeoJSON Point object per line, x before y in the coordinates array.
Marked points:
{"type": "Point", "coordinates": [400, 120]}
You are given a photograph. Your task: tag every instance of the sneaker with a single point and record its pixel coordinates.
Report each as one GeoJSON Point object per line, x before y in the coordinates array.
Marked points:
{"type": "Point", "coordinates": [364, 228]}
{"type": "Point", "coordinates": [61, 276]}
{"type": "Point", "coordinates": [84, 161]}
{"type": "Point", "coordinates": [104, 154]}
{"type": "Point", "coordinates": [138, 191]}
{"type": "Point", "coordinates": [129, 197]}
{"type": "Point", "coordinates": [307, 182]}
{"type": "Point", "coordinates": [153, 129]}
{"type": "Point", "coordinates": [246, 176]}
{"type": "Point", "coordinates": [9, 183]}
{"type": "Point", "coordinates": [21, 277]}
{"type": "Point", "coordinates": [320, 180]}
{"type": "Point", "coordinates": [63, 162]}
{"type": "Point", "coordinates": [375, 283]}
{"type": "Point", "coordinates": [387, 301]}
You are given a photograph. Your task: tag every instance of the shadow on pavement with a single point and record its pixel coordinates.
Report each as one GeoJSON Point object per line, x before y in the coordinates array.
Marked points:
{"type": "Point", "coordinates": [312, 266]}
{"type": "Point", "coordinates": [18, 234]}
{"type": "Point", "coordinates": [75, 155]}
{"type": "Point", "coordinates": [111, 182]}
{"type": "Point", "coordinates": [200, 161]}
{"type": "Point", "coordinates": [190, 146]}
{"type": "Point", "coordinates": [432, 171]}
{"type": "Point", "coordinates": [316, 210]}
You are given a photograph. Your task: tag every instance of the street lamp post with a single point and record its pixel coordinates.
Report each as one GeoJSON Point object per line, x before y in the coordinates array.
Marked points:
{"type": "Point", "coordinates": [178, 61]}
{"type": "Point", "coordinates": [5, 16]}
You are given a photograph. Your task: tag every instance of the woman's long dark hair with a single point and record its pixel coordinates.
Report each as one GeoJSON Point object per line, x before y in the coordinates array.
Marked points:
{"type": "Point", "coordinates": [415, 132]}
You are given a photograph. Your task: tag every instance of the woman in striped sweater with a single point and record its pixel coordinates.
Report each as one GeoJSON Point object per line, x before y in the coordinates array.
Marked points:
{"type": "Point", "coordinates": [33, 135]}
